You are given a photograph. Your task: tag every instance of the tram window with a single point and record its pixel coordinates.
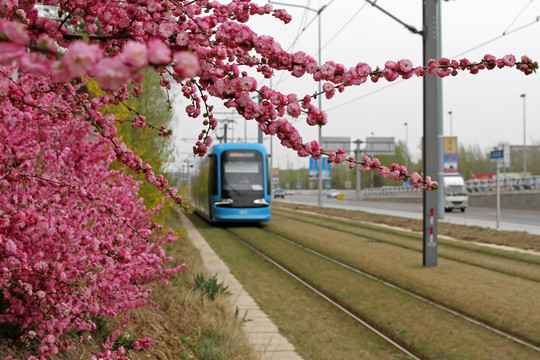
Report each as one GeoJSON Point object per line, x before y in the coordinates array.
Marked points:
{"type": "Point", "coordinates": [269, 176]}
{"type": "Point", "coordinates": [213, 175]}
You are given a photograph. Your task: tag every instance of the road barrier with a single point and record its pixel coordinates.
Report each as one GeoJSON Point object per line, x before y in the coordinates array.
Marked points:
{"type": "Point", "coordinates": [512, 197]}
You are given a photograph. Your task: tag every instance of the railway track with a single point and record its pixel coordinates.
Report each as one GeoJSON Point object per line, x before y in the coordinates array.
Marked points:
{"type": "Point", "coordinates": [410, 353]}
{"type": "Point", "coordinates": [481, 257]}
{"type": "Point", "coordinates": [382, 331]}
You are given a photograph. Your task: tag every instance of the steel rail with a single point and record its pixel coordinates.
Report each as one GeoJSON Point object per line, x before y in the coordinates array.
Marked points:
{"type": "Point", "coordinates": [452, 258]}
{"type": "Point", "coordinates": [407, 292]}
{"type": "Point", "coordinates": [328, 299]}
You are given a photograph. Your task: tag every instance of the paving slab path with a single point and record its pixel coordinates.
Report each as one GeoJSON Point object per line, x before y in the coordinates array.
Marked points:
{"type": "Point", "coordinates": [261, 331]}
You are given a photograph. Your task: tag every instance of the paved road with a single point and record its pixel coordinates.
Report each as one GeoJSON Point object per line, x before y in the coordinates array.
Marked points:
{"type": "Point", "coordinates": [511, 220]}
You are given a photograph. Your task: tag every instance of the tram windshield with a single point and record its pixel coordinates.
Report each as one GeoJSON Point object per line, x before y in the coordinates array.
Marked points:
{"type": "Point", "coordinates": [242, 171]}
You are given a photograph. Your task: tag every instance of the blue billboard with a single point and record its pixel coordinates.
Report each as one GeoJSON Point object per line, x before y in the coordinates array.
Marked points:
{"type": "Point", "coordinates": [314, 168]}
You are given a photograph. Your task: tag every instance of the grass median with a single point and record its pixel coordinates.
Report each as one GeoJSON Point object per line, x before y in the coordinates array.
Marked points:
{"type": "Point", "coordinates": [434, 333]}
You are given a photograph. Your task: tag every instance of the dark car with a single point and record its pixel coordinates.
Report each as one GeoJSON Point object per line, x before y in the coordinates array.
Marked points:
{"type": "Point", "coordinates": [279, 193]}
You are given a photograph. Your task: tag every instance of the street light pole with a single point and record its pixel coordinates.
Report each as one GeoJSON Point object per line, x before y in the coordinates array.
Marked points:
{"type": "Point", "coordinates": [524, 138]}
{"type": "Point", "coordinates": [319, 162]}
{"type": "Point", "coordinates": [358, 173]}
{"type": "Point", "coordinates": [372, 177]}
{"type": "Point", "coordinates": [450, 113]}
{"type": "Point", "coordinates": [406, 145]}
{"type": "Point", "coordinates": [319, 172]}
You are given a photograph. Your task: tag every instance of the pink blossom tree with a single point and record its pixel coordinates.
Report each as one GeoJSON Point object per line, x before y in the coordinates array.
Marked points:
{"type": "Point", "coordinates": [75, 239]}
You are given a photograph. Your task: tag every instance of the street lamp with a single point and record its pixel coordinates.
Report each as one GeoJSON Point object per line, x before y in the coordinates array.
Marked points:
{"type": "Point", "coordinates": [319, 11]}
{"type": "Point", "coordinates": [524, 138]}
{"type": "Point", "coordinates": [406, 145]}
{"type": "Point", "coordinates": [450, 113]}
{"type": "Point", "coordinates": [358, 173]}
{"type": "Point", "coordinates": [372, 177]}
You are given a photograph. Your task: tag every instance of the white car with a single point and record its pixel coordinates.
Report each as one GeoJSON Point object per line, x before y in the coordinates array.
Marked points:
{"type": "Point", "coordinates": [333, 194]}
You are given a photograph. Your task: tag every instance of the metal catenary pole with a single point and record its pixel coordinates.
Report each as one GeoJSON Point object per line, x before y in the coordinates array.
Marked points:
{"type": "Point", "coordinates": [432, 149]}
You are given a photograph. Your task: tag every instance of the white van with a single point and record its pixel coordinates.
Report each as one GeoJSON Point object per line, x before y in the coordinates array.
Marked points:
{"type": "Point", "coordinates": [455, 193]}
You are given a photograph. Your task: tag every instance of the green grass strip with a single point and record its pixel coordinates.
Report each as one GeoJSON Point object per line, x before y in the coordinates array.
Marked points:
{"type": "Point", "coordinates": [431, 331]}
{"type": "Point", "coordinates": [511, 263]}
{"type": "Point", "coordinates": [317, 329]}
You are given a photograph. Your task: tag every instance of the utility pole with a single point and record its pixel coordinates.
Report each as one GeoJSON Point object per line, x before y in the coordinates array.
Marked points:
{"type": "Point", "coordinates": [523, 96]}
{"type": "Point", "coordinates": [358, 173]}
{"type": "Point", "coordinates": [433, 202]}
{"type": "Point", "coordinates": [432, 145]}
{"type": "Point", "coordinates": [406, 145]}
{"type": "Point", "coordinates": [319, 162]}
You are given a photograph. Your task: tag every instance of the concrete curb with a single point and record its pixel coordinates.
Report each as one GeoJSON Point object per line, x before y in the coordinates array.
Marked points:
{"type": "Point", "coordinates": [261, 331]}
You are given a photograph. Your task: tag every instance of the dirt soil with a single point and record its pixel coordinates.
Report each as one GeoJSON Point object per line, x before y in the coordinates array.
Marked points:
{"type": "Point", "coordinates": [517, 240]}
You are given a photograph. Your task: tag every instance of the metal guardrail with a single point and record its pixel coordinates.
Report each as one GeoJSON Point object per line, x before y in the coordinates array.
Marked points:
{"type": "Point", "coordinates": [392, 191]}
{"type": "Point", "coordinates": [507, 184]}
{"type": "Point", "coordinates": [473, 186]}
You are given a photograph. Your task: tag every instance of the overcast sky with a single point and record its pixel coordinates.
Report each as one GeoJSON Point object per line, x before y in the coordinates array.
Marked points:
{"type": "Point", "coordinates": [486, 108]}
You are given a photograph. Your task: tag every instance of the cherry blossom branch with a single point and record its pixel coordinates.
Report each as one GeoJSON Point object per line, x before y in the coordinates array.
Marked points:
{"type": "Point", "coordinates": [140, 120]}
{"type": "Point", "coordinates": [103, 38]}
{"type": "Point", "coordinates": [395, 171]}
{"type": "Point", "coordinates": [66, 18]}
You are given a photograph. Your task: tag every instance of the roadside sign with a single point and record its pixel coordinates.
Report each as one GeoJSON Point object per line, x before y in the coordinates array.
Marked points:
{"type": "Point", "coordinates": [497, 154]}
{"type": "Point", "coordinates": [314, 168]}
{"type": "Point", "coordinates": [275, 176]}
{"type": "Point", "coordinates": [380, 146]}
{"type": "Point", "coordinates": [450, 154]}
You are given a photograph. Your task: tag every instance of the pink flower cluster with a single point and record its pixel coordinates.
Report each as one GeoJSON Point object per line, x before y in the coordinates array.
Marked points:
{"type": "Point", "coordinates": [395, 171]}
{"type": "Point", "coordinates": [81, 59]}
{"type": "Point", "coordinates": [76, 242]}
{"type": "Point", "coordinates": [143, 343]}
{"type": "Point", "coordinates": [110, 355]}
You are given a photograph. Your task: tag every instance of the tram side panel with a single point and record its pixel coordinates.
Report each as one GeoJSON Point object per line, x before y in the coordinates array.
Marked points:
{"type": "Point", "coordinates": [201, 187]}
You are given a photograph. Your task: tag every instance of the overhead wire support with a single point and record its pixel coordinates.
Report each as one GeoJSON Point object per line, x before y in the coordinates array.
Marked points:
{"type": "Point", "coordinates": [432, 124]}
{"type": "Point", "coordinates": [319, 11]}
{"type": "Point", "coordinates": [302, 6]}
{"type": "Point", "coordinates": [407, 26]}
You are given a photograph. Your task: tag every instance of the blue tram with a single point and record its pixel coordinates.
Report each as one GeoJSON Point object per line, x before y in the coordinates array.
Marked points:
{"type": "Point", "coordinates": [233, 184]}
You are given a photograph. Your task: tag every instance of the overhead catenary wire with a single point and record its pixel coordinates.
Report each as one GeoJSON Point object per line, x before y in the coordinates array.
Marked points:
{"type": "Point", "coordinates": [343, 27]}
{"type": "Point", "coordinates": [309, 24]}
{"type": "Point", "coordinates": [299, 34]}
{"type": "Point", "coordinates": [498, 37]}
{"type": "Point", "coordinates": [518, 15]}
{"type": "Point", "coordinates": [389, 85]}
{"type": "Point", "coordinates": [506, 33]}
{"type": "Point", "coordinates": [407, 26]}
{"type": "Point", "coordinates": [301, 28]}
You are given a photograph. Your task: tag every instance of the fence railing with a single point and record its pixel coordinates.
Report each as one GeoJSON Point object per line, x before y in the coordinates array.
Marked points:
{"type": "Point", "coordinates": [473, 186]}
